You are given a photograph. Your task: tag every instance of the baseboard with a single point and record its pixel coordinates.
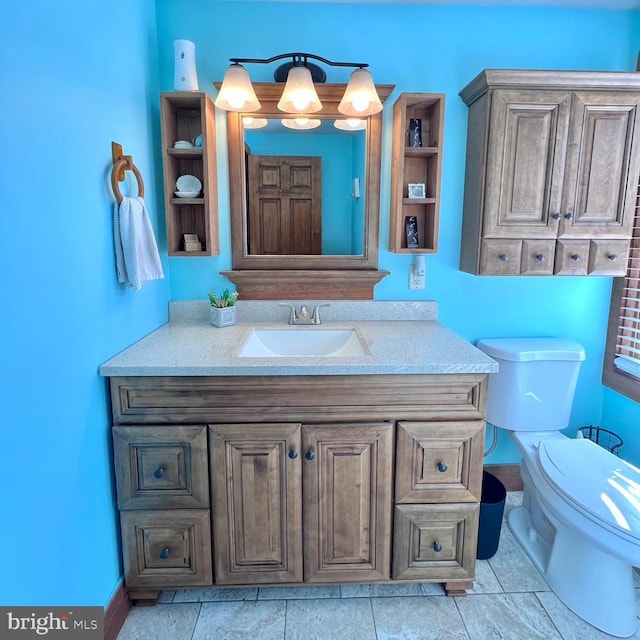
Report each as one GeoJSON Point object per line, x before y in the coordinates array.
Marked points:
{"type": "Point", "coordinates": [508, 474]}
{"type": "Point", "coordinates": [116, 613]}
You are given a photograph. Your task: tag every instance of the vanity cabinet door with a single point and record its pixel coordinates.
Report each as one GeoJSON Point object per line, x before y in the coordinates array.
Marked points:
{"type": "Point", "coordinates": [256, 493]}
{"type": "Point", "coordinates": [347, 497]}
{"type": "Point", "coordinates": [525, 156]}
{"type": "Point", "coordinates": [439, 461]}
{"type": "Point", "coordinates": [161, 467]}
{"type": "Point", "coordinates": [601, 171]}
{"type": "Point", "coordinates": [435, 541]}
{"type": "Point", "coordinates": [162, 548]}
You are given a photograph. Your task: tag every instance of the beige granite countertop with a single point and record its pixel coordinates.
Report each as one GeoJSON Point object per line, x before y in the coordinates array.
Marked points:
{"type": "Point", "coordinates": [190, 346]}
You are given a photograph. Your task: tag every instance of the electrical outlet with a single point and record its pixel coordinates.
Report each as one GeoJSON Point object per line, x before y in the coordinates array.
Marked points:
{"type": "Point", "coordinates": [416, 281]}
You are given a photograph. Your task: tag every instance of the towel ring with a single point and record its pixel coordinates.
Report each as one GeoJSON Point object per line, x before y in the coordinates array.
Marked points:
{"type": "Point", "coordinates": [119, 167]}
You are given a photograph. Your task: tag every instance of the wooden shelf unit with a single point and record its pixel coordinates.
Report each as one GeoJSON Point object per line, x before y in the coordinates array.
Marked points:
{"type": "Point", "coordinates": [416, 165]}
{"type": "Point", "coordinates": [185, 115]}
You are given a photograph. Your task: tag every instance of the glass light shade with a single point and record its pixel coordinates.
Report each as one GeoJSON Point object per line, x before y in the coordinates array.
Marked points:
{"type": "Point", "coordinates": [254, 123]}
{"type": "Point", "coordinates": [351, 124]}
{"type": "Point", "coordinates": [236, 92]}
{"type": "Point", "coordinates": [360, 98]}
{"type": "Point", "coordinates": [300, 123]}
{"type": "Point", "coordinates": [299, 95]}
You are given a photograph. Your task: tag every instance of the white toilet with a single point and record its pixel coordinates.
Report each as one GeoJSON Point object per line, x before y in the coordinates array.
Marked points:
{"type": "Point", "coordinates": [580, 518]}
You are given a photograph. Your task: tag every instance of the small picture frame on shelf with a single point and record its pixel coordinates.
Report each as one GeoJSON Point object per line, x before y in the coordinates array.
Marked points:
{"type": "Point", "coordinates": [415, 132]}
{"type": "Point", "coordinates": [411, 227]}
{"type": "Point", "coordinates": [416, 190]}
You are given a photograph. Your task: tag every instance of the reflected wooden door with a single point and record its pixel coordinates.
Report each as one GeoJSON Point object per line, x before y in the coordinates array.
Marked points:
{"type": "Point", "coordinates": [285, 205]}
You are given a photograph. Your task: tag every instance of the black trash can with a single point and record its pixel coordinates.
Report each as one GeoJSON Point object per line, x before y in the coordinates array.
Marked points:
{"type": "Point", "coordinates": [492, 502]}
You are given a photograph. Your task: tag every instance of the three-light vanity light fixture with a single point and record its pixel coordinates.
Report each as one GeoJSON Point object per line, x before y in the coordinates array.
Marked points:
{"type": "Point", "coordinates": [299, 96]}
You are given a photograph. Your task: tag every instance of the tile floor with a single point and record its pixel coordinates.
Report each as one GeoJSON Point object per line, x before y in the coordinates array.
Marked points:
{"type": "Point", "coordinates": [510, 601]}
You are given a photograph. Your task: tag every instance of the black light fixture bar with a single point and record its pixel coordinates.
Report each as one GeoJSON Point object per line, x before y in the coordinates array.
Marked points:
{"type": "Point", "coordinates": [299, 59]}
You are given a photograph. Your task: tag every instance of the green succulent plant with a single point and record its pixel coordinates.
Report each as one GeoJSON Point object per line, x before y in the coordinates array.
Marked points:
{"type": "Point", "coordinates": [226, 299]}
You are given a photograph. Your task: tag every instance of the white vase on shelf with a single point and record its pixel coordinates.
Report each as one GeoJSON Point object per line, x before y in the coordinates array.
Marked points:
{"type": "Point", "coordinates": [185, 77]}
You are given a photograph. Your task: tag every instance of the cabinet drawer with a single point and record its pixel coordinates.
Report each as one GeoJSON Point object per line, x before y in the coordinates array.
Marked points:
{"type": "Point", "coordinates": [608, 257]}
{"type": "Point", "coordinates": [435, 541]}
{"type": "Point", "coordinates": [500, 257]}
{"type": "Point", "coordinates": [572, 257]}
{"type": "Point", "coordinates": [166, 548]}
{"type": "Point", "coordinates": [161, 467]}
{"type": "Point", "coordinates": [537, 257]}
{"type": "Point", "coordinates": [439, 461]}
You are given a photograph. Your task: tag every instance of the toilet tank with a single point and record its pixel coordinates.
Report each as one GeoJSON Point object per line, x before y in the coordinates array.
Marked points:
{"type": "Point", "coordinates": [536, 380]}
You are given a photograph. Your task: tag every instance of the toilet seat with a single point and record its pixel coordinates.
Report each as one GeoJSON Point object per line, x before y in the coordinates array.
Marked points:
{"type": "Point", "coordinates": [594, 481]}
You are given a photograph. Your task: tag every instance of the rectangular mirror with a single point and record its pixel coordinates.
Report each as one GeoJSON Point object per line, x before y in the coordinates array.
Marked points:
{"type": "Point", "coordinates": [345, 226]}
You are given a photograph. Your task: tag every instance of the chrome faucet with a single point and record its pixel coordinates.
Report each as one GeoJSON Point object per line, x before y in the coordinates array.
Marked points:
{"type": "Point", "coordinates": [304, 317]}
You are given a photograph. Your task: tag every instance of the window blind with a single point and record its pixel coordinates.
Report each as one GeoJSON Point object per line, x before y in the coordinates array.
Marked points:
{"type": "Point", "coordinates": [627, 349]}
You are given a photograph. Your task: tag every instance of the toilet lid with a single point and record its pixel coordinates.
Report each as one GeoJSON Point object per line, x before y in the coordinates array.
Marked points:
{"type": "Point", "coordinates": [595, 481]}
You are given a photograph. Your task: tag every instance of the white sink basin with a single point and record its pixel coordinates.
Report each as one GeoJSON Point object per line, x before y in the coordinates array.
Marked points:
{"type": "Point", "coordinates": [296, 343]}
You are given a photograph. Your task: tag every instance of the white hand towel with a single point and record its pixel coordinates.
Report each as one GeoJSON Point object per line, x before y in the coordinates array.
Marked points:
{"type": "Point", "coordinates": [137, 258]}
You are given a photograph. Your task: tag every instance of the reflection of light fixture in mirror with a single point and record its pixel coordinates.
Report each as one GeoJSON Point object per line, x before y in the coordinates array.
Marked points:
{"type": "Point", "coordinates": [299, 96]}
{"type": "Point", "coordinates": [236, 92]}
{"type": "Point", "coordinates": [350, 124]}
{"type": "Point", "coordinates": [254, 123]}
{"type": "Point", "coordinates": [360, 99]}
{"type": "Point", "coordinates": [300, 123]}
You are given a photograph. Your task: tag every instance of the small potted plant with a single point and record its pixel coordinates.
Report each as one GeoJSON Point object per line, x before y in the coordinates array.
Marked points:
{"type": "Point", "coordinates": [223, 309]}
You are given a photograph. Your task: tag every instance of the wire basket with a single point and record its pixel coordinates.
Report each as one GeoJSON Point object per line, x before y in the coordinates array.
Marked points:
{"type": "Point", "coordinates": [607, 439]}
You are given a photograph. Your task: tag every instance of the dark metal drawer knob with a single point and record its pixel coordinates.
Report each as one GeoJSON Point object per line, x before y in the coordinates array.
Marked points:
{"type": "Point", "coordinates": [504, 257]}
{"type": "Point", "coordinates": [575, 257]}
{"type": "Point", "coordinates": [613, 257]}
{"type": "Point", "coordinates": [540, 257]}
{"type": "Point", "coordinates": [437, 547]}
{"type": "Point", "coordinates": [164, 554]}
{"type": "Point", "coordinates": [442, 467]}
{"type": "Point", "coordinates": [159, 473]}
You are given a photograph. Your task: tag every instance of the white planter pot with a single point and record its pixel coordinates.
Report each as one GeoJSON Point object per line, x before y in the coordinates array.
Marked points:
{"type": "Point", "coordinates": [223, 316]}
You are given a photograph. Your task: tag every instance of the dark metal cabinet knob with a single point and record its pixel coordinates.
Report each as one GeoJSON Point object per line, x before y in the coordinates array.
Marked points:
{"type": "Point", "coordinates": [556, 216]}
{"type": "Point", "coordinates": [159, 473]}
{"type": "Point", "coordinates": [293, 454]}
{"type": "Point", "coordinates": [310, 455]}
{"type": "Point", "coordinates": [568, 216]}
{"type": "Point", "coordinates": [437, 547]}
{"type": "Point", "coordinates": [504, 257]}
{"type": "Point", "coordinates": [613, 257]}
{"type": "Point", "coordinates": [164, 554]}
{"type": "Point", "coordinates": [442, 467]}
{"type": "Point", "coordinates": [540, 257]}
{"type": "Point", "coordinates": [576, 257]}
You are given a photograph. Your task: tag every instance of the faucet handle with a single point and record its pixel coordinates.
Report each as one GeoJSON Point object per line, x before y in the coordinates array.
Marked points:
{"type": "Point", "coordinates": [293, 315]}
{"type": "Point", "coordinates": [315, 316]}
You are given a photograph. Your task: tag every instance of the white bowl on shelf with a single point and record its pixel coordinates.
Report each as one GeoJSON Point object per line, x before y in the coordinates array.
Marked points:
{"type": "Point", "coordinates": [188, 183]}
{"type": "Point", "coordinates": [182, 144]}
{"type": "Point", "coordinates": [187, 194]}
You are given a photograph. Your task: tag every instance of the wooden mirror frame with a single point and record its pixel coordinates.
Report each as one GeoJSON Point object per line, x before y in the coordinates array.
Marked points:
{"type": "Point", "coordinates": [268, 277]}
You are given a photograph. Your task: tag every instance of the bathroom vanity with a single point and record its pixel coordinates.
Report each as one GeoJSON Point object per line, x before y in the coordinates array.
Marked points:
{"type": "Point", "coordinates": [235, 470]}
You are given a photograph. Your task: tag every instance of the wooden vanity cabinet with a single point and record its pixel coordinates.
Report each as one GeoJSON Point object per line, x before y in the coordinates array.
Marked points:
{"type": "Point", "coordinates": [551, 172]}
{"type": "Point", "coordinates": [290, 479]}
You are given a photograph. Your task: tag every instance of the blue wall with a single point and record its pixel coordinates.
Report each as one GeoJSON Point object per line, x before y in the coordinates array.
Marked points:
{"type": "Point", "coordinates": [76, 74]}
{"type": "Point", "coordinates": [430, 49]}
